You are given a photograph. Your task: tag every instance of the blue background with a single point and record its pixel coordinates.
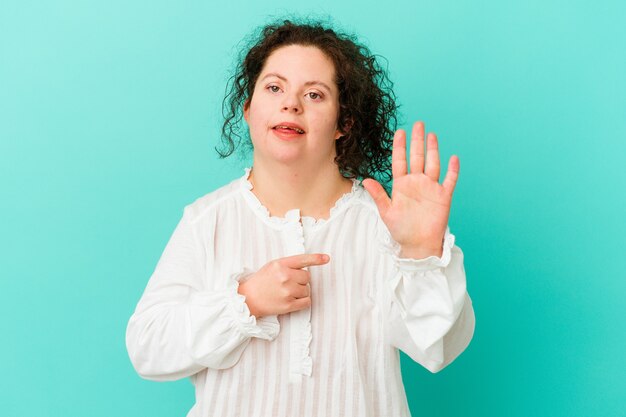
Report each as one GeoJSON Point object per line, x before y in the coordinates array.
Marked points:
{"type": "Point", "coordinates": [109, 112]}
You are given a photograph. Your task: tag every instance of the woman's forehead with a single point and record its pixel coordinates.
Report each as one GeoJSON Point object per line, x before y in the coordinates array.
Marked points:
{"type": "Point", "coordinates": [300, 64]}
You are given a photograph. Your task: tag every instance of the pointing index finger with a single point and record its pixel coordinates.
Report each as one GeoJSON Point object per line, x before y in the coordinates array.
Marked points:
{"type": "Point", "coordinates": [304, 260]}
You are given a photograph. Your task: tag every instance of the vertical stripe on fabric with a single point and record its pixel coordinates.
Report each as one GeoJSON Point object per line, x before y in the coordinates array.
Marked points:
{"type": "Point", "coordinates": [332, 360]}
{"type": "Point", "coordinates": [268, 381]}
{"type": "Point", "coordinates": [290, 389]}
{"type": "Point", "coordinates": [334, 289]}
{"type": "Point", "coordinates": [240, 253]}
{"type": "Point", "coordinates": [350, 345]}
{"type": "Point", "coordinates": [279, 370]}
{"type": "Point", "coordinates": [280, 345]}
{"type": "Point", "coordinates": [310, 382]}
{"type": "Point", "coordinates": [284, 406]}
{"type": "Point", "coordinates": [209, 390]}
{"type": "Point", "coordinates": [368, 372]}
{"type": "Point", "coordinates": [215, 386]}
{"type": "Point", "coordinates": [297, 392]}
{"type": "Point", "coordinates": [400, 396]}
{"type": "Point", "coordinates": [303, 393]}
{"type": "Point", "coordinates": [344, 285]}
{"type": "Point", "coordinates": [337, 383]}
{"type": "Point", "coordinates": [393, 399]}
{"type": "Point", "coordinates": [356, 391]}
{"type": "Point", "coordinates": [364, 358]}
{"type": "Point", "coordinates": [318, 328]}
{"type": "Point", "coordinates": [237, 387]}
{"type": "Point", "coordinates": [262, 380]}
{"type": "Point", "coordinates": [225, 388]}
{"type": "Point", "coordinates": [248, 365]}
{"type": "Point", "coordinates": [258, 380]}
{"type": "Point", "coordinates": [271, 355]}
{"type": "Point", "coordinates": [342, 400]}
{"type": "Point", "coordinates": [377, 382]}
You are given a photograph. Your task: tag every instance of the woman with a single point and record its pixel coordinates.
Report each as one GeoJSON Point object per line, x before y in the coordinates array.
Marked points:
{"type": "Point", "coordinates": [232, 303]}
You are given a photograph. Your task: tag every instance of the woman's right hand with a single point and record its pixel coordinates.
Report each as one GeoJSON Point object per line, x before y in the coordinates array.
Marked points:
{"type": "Point", "coordinates": [281, 286]}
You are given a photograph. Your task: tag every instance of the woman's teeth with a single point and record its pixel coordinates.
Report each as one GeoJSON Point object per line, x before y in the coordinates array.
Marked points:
{"type": "Point", "coordinates": [295, 129]}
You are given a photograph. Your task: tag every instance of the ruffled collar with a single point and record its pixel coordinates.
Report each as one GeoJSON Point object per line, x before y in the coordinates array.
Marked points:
{"type": "Point", "coordinates": [293, 215]}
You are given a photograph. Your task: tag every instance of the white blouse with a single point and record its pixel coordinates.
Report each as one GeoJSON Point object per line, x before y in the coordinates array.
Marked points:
{"type": "Point", "coordinates": [339, 357]}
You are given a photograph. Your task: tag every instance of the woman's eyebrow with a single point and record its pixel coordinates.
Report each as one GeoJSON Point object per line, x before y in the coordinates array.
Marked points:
{"type": "Point", "coordinates": [306, 83]}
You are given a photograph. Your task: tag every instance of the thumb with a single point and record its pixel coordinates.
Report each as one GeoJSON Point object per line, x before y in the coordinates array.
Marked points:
{"type": "Point", "coordinates": [378, 193]}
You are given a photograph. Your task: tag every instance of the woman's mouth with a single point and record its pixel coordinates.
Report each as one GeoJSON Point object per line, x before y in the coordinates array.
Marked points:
{"type": "Point", "coordinates": [285, 132]}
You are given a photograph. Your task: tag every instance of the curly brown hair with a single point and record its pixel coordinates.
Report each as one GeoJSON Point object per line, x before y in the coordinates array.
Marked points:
{"type": "Point", "coordinates": [367, 106]}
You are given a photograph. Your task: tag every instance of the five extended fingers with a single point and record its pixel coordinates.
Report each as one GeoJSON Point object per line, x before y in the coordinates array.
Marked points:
{"type": "Point", "coordinates": [421, 161]}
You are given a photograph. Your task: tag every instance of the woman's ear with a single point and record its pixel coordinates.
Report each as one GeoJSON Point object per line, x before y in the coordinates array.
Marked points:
{"type": "Point", "coordinates": [246, 110]}
{"type": "Point", "coordinates": [346, 129]}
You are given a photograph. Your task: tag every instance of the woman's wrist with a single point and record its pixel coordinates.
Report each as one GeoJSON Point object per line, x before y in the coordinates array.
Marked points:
{"type": "Point", "coordinates": [243, 291]}
{"type": "Point", "coordinates": [419, 252]}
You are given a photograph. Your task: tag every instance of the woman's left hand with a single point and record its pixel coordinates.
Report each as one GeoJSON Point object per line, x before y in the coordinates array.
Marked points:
{"type": "Point", "coordinates": [417, 213]}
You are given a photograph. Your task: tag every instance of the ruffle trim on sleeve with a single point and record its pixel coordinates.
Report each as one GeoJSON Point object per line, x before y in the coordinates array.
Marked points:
{"type": "Point", "coordinates": [393, 248]}
{"type": "Point", "coordinates": [235, 306]}
{"type": "Point", "coordinates": [266, 327]}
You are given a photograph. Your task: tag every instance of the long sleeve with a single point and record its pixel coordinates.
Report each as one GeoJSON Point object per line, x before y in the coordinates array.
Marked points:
{"type": "Point", "coordinates": [179, 327]}
{"type": "Point", "coordinates": [430, 313]}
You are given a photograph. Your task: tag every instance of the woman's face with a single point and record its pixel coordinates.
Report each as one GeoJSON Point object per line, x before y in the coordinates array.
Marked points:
{"type": "Point", "coordinates": [296, 86]}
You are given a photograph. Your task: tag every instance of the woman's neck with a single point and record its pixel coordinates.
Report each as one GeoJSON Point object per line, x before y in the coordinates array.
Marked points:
{"type": "Point", "coordinates": [314, 191]}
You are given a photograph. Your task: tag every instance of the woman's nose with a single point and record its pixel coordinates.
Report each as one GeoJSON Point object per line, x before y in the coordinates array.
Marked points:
{"type": "Point", "coordinates": [291, 103]}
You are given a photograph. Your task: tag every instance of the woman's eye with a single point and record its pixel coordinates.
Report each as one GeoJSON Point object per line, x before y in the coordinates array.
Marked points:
{"type": "Point", "coordinates": [276, 89]}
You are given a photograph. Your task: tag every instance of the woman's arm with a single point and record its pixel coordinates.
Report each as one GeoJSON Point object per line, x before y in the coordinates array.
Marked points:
{"type": "Point", "coordinates": [179, 327]}
{"type": "Point", "coordinates": [430, 315]}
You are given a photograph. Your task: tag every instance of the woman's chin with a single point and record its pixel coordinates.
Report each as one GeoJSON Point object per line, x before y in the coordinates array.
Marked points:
{"type": "Point", "coordinates": [285, 152]}
{"type": "Point", "coordinates": [288, 157]}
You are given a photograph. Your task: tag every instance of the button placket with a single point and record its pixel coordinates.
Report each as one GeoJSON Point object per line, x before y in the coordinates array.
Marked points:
{"type": "Point", "coordinates": [300, 321]}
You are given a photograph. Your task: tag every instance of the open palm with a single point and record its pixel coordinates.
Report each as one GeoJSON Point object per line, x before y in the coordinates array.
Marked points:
{"type": "Point", "coordinates": [417, 212]}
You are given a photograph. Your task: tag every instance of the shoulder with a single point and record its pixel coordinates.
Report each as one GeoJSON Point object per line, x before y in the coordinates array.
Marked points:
{"type": "Point", "coordinates": [365, 210]}
{"type": "Point", "coordinates": [208, 203]}
{"type": "Point", "coordinates": [364, 202]}
{"type": "Point", "coordinates": [363, 207]}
